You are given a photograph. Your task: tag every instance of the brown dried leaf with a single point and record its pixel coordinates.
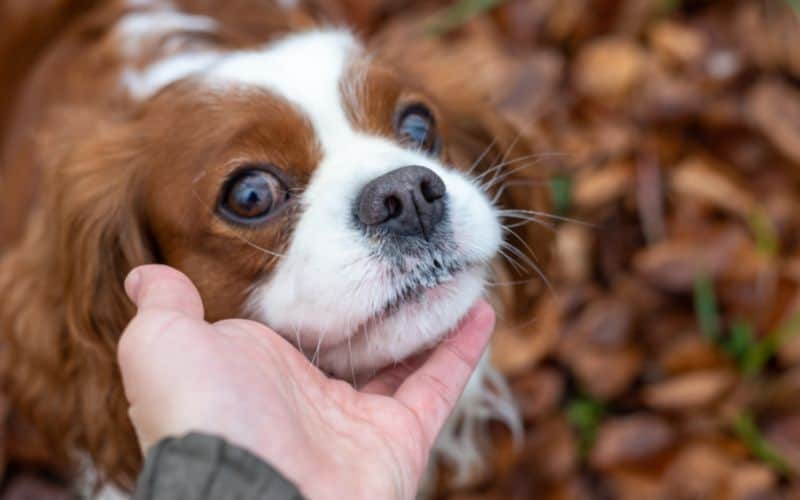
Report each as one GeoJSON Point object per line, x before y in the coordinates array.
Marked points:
{"type": "Point", "coordinates": [666, 97]}
{"type": "Point", "coordinates": [677, 42]}
{"type": "Point", "coordinates": [689, 391]}
{"type": "Point", "coordinates": [690, 352]}
{"type": "Point", "coordinates": [539, 392]}
{"type": "Point", "coordinates": [530, 89]}
{"type": "Point", "coordinates": [606, 323]}
{"type": "Point", "coordinates": [552, 450]}
{"type": "Point", "coordinates": [573, 250]}
{"type": "Point", "coordinates": [782, 395]}
{"type": "Point", "coordinates": [609, 68]}
{"type": "Point", "coordinates": [604, 374]}
{"type": "Point", "coordinates": [699, 471]}
{"type": "Point", "coordinates": [675, 264]}
{"type": "Point", "coordinates": [634, 485]}
{"type": "Point", "coordinates": [784, 435]}
{"type": "Point", "coordinates": [751, 480]}
{"type": "Point", "coordinates": [773, 107]}
{"type": "Point", "coordinates": [700, 178]}
{"type": "Point", "coordinates": [514, 351]}
{"type": "Point", "coordinates": [594, 188]}
{"type": "Point", "coordinates": [770, 34]}
{"type": "Point", "coordinates": [630, 440]}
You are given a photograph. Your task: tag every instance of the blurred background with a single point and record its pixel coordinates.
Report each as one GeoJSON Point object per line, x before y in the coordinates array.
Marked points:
{"type": "Point", "coordinates": [663, 357]}
{"type": "Point", "coordinates": [664, 360]}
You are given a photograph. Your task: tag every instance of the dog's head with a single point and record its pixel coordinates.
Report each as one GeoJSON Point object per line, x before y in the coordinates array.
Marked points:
{"type": "Point", "coordinates": [307, 186]}
{"type": "Point", "coordinates": [302, 183]}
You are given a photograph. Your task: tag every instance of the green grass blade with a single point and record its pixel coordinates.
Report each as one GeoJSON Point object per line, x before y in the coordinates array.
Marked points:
{"type": "Point", "coordinates": [750, 435]}
{"type": "Point", "coordinates": [705, 306]}
{"type": "Point", "coordinates": [758, 356]}
{"type": "Point", "coordinates": [561, 193]}
{"type": "Point", "coordinates": [767, 238]}
{"type": "Point", "coordinates": [459, 13]}
{"type": "Point", "coordinates": [585, 414]}
{"type": "Point", "coordinates": [741, 340]}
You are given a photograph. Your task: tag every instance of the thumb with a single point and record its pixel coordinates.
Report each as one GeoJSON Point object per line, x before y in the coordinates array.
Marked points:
{"type": "Point", "coordinates": [161, 295]}
{"type": "Point", "coordinates": [433, 390]}
{"type": "Point", "coordinates": [164, 288]}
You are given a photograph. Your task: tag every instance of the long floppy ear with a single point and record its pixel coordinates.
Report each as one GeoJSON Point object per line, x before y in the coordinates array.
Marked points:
{"type": "Point", "coordinates": [64, 305]}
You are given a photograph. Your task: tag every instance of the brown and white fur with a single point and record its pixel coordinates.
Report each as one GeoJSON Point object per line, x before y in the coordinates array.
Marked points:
{"type": "Point", "coordinates": [124, 125]}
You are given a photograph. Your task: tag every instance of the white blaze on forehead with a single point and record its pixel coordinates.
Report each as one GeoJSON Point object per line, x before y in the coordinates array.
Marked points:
{"type": "Point", "coordinates": [146, 3]}
{"type": "Point", "coordinates": [144, 84]}
{"type": "Point", "coordinates": [305, 68]}
{"type": "Point", "coordinates": [139, 27]}
{"type": "Point", "coordinates": [138, 30]}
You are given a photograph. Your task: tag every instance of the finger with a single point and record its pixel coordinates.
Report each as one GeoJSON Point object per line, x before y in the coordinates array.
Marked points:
{"type": "Point", "coordinates": [433, 391]}
{"type": "Point", "coordinates": [164, 297]}
{"type": "Point", "coordinates": [164, 288]}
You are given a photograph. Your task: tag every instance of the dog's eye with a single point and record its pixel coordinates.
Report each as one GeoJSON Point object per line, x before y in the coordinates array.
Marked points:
{"type": "Point", "coordinates": [252, 195]}
{"type": "Point", "coordinates": [417, 128]}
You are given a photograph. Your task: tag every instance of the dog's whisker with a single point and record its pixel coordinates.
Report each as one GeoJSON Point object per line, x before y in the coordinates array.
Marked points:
{"type": "Point", "coordinates": [511, 261]}
{"type": "Point", "coordinates": [521, 240]}
{"type": "Point", "coordinates": [350, 354]}
{"type": "Point", "coordinates": [524, 258]}
{"type": "Point", "coordinates": [519, 214]}
{"type": "Point", "coordinates": [527, 219]}
{"type": "Point", "coordinates": [481, 157]}
{"type": "Point", "coordinates": [297, 338]}
{"type": "Point", "coordinates": [502, 177]}
{"type": "Point", "coordinates": [490, 283]}
{"type": "Point", "coordinates": [506, 163]}
{"type": "Point", "coordinates": [315, 359]}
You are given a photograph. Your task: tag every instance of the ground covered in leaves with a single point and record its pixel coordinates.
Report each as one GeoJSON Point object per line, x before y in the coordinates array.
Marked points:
{"type": "Point", "coordinates": [665, 361]}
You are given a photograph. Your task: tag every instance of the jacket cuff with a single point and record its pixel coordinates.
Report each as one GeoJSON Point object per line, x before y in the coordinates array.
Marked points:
{"type": "Point", "coordinates": [204, 467]}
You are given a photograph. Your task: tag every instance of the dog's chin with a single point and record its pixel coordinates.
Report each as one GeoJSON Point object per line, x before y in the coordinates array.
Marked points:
{"type": "Point", "coordinates": [406, 328]}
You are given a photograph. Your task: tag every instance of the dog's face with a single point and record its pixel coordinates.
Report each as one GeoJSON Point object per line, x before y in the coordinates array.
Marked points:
{"type": "Point", "coordinates": [307, 186]}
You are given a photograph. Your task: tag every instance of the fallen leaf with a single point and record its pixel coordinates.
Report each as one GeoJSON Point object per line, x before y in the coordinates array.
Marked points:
{"type": "Point", "coordinates": [609, 68]}
{"type": "Point", "coordinates": [631, 440]}
{"type": "Point", "coordinates": [774, 109]}
{"type": "Point", "coordinates": [688, 391]}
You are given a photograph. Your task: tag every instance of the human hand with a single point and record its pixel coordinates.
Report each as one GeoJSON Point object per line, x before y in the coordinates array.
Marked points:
{"type": "Point", "coordinates": [240, 380]}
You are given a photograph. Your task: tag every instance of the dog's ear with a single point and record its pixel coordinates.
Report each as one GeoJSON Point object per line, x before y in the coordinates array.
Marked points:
{"type": "Point", "coordinates": [64, 305]}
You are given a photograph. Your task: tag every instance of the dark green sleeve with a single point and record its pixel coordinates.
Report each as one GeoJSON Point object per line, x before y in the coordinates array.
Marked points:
{"type": "Point", "coordinates": [203, 467]}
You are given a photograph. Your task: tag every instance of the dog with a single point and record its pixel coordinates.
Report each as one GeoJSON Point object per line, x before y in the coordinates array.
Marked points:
{"type": "Point", "coordinates": [298, 176]}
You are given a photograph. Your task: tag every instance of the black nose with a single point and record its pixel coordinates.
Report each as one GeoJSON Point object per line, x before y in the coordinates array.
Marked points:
{"type": "Point", "coordinates": [408, 201]}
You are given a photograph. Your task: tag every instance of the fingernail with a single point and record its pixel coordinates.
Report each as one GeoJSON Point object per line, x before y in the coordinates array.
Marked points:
{"type": "Point", "coordinates": [132, 284]}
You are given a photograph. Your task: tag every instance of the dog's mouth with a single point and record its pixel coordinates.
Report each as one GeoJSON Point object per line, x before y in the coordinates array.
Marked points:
{"type": "Point", "coordinates": [427, 285]}
{"type": "Point", "coordinates": [416, 290]}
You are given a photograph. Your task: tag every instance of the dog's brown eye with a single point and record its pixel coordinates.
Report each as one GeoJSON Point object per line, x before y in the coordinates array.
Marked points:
{"type": "Point", "coordinates": [416, 127]}
{"type": "Point", "coordinates": [252, 195]}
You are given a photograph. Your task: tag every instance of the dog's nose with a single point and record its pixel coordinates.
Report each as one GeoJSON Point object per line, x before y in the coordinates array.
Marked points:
{"type": "Point", "coordinates": [408, 201]}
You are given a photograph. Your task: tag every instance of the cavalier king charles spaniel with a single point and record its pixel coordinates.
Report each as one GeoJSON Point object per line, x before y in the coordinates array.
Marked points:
{"type": "Point", "coordinates": [328, 188]}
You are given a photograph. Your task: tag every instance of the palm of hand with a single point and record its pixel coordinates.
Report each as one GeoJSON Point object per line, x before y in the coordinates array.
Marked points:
{"type": "Point", "coordinates": [238, 379]}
